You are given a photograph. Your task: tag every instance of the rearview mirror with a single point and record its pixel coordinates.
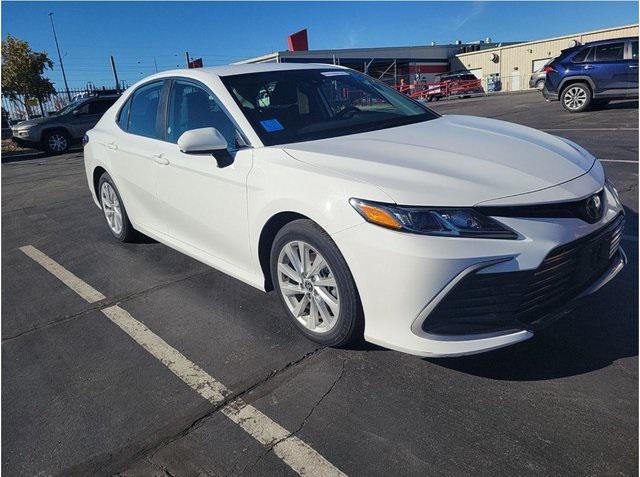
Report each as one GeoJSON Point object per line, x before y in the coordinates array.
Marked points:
{"type": "Point", "coordinates": [202, 140]}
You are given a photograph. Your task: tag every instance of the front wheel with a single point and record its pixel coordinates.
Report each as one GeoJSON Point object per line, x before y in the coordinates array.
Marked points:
{"type": "Point", "coordinates": [576, 98]}
{"type": "Point", "coordinates": [56, 142]}
{"type": "Point", "coordinates": [315, 285]}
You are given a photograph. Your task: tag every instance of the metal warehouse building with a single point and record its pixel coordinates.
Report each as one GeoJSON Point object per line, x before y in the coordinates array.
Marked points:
{"type": "Point", "coordinates": [508, 64]}
{"type": "Point", "coordinates": [389, 64]}
{"type": "Point", "coordinates": [513, 64]}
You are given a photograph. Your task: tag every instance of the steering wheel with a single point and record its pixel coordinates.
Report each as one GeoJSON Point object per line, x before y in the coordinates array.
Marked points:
{"type": "Point", "coordinates": [348, 111]}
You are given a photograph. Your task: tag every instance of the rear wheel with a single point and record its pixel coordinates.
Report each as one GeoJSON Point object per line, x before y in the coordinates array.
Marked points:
{"type": "Point", "coordinates": [315, 285]}
{"type": "Point", "coordinates": [576, 98]}
{"type": "Point", "coordinates": [540, 84]}
{"type": "Point", "coordinates": [114, 211]}
{"type": "Point", "coordinates": [56, 142]}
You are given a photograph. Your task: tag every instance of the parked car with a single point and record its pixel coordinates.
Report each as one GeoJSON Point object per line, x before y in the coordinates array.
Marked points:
{"type": "Point", "coordinates": [593, 74]}
{"type": "Point", "coordinates": [537, 79]}
{"type": "Point", "coordinates": [367, 212]}
{"type": "Point", "coordinates": [55, 133]}
{"type": "Point", "coordinates": [453, 84]}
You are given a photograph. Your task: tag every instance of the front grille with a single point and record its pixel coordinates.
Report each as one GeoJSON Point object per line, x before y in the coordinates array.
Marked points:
{"type": "Point", "coordinates": [483, 302]}
{"type": "Point", "coordinates": [578, 209]}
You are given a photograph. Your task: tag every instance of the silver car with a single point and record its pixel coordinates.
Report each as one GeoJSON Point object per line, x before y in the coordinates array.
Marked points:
{"type": "Point", "coordinates": [56, 132]}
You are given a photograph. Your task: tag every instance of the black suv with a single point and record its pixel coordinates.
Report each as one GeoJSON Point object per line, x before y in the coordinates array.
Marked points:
{"type": "Point", "coordinates": [593, 74]}
{"type": "Point", "coordinates": [54, 133]}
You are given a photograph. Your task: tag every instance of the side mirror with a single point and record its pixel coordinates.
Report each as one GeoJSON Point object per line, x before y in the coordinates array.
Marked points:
{"type": "Point", "coordinates": [202, 140]}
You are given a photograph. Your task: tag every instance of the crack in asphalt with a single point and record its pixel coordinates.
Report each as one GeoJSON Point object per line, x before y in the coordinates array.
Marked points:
{"type": "Point", "coordinates": [150, 452]}
{"type": "Point", "coordinates": [102, 304]}
{"type": "Point", "coordinates": [295, 433]}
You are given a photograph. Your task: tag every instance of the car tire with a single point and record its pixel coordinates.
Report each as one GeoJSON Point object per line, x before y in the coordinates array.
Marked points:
{"type": "Point", "coordinates": [540, 84]}
{"type": "Point", "coordinates": [114, 211]}
{"type": "Point", "coordinates": [576, 97]}
{"type": "Point", "coordinates": [323, 291]}
{"type": "Point", "coordinates": [56, 142]}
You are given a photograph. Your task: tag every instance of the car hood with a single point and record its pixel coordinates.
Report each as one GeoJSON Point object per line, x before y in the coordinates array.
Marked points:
{"type": "Point", "coordinates": [33, 122]}
{"type": "Point", "coordinates": [452, 160]}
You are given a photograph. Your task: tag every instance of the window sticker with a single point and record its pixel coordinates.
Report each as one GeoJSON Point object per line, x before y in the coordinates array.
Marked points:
{"type": "Point", "coordinates": [271, 125]}
{"type": "Point", "coordinates": [335, 73]}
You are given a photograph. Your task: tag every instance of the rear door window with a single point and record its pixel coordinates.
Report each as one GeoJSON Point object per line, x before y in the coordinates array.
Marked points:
{"type": "Point", "coordinates": [610, 52]}
{"type": "Point", "coordinates": [143, 111]}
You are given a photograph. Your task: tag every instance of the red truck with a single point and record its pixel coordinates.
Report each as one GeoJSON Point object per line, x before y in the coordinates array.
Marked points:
{"type": "Point", "coordinates": [454, 84]}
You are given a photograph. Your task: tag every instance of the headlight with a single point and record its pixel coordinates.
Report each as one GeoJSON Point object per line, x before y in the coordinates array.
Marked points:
{"type": "Point", "coordinates": [446, 221]}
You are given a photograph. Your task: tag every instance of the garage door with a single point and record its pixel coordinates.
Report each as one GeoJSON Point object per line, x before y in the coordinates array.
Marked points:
{"type": "Point", "coordinates": [476, 72]}
{"type": "Point", "coordinates": [536, 65]}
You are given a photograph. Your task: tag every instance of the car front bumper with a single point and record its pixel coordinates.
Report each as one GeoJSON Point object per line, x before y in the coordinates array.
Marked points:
{"type": "Point", "coordinates": [402, 278]}
{"type": "Point", "coordinates": [26, 136]}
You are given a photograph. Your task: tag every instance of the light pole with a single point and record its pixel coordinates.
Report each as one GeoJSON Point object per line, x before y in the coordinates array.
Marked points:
{"type": "Point", "coordinates": [55, 37]}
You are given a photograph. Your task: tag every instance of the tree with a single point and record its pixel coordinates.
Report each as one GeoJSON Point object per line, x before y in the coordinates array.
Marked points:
{"type": "Point", "coordinates": [22, 72]}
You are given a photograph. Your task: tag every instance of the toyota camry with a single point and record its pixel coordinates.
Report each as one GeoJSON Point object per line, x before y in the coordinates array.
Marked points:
{"type": "Point", "coordinates": [369, 214]}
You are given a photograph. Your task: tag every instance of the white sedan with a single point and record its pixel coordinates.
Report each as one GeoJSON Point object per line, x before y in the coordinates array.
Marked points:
{"type": "Point", "coordinates": [368, 213]}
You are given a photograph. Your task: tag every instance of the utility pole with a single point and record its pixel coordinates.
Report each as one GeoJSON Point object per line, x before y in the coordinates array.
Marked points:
{"type": "Point", "coordinates": [186, 55]}
{"type": "Point", "coordinates": [55, 37]}
{"type": "Point", "coordinates": [115, 74]}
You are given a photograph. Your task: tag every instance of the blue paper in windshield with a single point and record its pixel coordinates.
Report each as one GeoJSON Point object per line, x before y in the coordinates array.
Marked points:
{"type": "Point", "coordinates": [271, 125]}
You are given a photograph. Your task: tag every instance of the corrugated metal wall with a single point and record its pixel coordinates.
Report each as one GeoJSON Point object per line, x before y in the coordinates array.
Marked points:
{"type": "Point", "coordinates": [515, 63]}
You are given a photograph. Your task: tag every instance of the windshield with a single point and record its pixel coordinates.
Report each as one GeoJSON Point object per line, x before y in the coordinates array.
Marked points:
{"type": "Point", "coordinates": [69, 107]}
{"type": "Point", "coordinates": [302, 105]}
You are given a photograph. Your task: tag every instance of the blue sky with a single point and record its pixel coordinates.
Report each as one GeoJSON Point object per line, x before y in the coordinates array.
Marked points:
{"type": "Point", "coordinates": [137, 32]}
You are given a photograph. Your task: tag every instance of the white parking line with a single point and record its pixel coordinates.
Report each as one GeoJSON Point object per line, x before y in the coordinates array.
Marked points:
{"type": "Point", "coordinates": [297, 454]}
{"type": "Point", "coordinates": [618, 160]}
{"type": "Point", "coordinates": [589, 129]}
{"type": "Point", "coordinates": [83, 289]}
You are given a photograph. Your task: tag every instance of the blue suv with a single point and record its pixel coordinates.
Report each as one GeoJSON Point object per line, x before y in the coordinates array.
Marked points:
{"type": "Point", "coordinates": [593, 74]}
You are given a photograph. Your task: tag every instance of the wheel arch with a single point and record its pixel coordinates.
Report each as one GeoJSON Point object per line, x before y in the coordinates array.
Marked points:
{"type": "Point", "coordinates": [267, 235]}
{"type": "Point", "coordinates": [98, 171]}
{"type": "Point", "coordinates": [576, 79]}
{"type": "Point", "coordinates": [51, 129]}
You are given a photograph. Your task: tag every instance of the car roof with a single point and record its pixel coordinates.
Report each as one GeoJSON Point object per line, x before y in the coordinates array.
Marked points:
{"type": "Point", "coordinates": [609, 40]}
{"type": "Point", "coordinates": [239, 69]}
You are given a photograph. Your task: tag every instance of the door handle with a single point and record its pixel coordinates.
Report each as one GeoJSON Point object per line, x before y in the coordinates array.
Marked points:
{"type": "Point", "coordinates": [112, 145]}
{"type": "Point", "coordinates": [160, 159]}
{"type": "Point", "coordinates": [588, 67]}
{"type": "Point", "coordinates": [633, 66]}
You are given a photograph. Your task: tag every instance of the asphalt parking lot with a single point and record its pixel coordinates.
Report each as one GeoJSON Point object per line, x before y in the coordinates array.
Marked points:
{"type": "Point", "coordinates": [168, 367]}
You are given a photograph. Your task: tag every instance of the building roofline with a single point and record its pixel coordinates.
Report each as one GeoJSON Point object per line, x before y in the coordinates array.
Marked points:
{"type": "Point", "coordinates": [444, 50]}
{"type": "Point", "coordinates": [543, 40]}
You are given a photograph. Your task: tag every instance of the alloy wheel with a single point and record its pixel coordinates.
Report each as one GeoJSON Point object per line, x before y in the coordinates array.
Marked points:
{"type": "Point", "coordinates": [308, 286]}
{"type": "Point", "coordinates": [574, 98]}
{"type": "Point", "coordinates": [57, 142]}
{"type": "Point", "coordinates": [111, 208]}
